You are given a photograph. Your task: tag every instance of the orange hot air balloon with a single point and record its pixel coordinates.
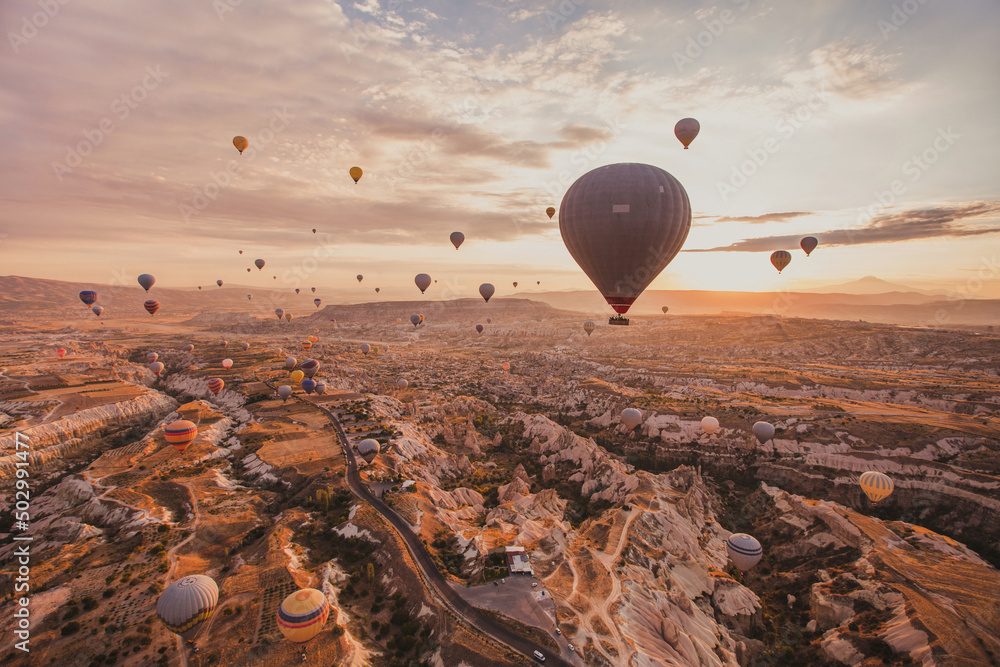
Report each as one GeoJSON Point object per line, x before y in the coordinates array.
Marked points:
{"type": "Point", "coordinates": [60, 353]}
{"type": "Point", "coordinates": [306, 344]}
{"type": "Point", "coordinates": [180, 434]}
{"type": "Point", "coordinates": [241, 144]}
{"type": "Point", "coordinates": [550, 211]}
{"type": "Point", "coordinates": [215, 385]}
{"type": "Point", "coordinates": [780, 259]}
{"type": "Point", "coordinates": [151, 306]}
{"type": "Point", "coordinates": [296, 376]}
{"type": "Point", "coordinates": [356, 173]}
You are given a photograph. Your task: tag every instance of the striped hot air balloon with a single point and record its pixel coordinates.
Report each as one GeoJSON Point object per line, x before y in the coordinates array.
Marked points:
{"type": "Point", "coordinates": [89, 297]}
{"type": "Point", "coordinates": [215, 385]}
{"type": "Point", "coordinates": [303, 614]}
{"type": "Point", "coordinates": [744, 550]}
{"type": "Point", "coordinates": [180, 434]}
{"type": "Point", "coordinates": [306, 344]}
{"type": "Point", "coordinates": [184, 604]}
{"type": "Point", "coordinates": [309, 367]}
{"type": "Point", "coordinates": [151, 306]}
{"type": "Point", "coordinates": [308, 385]}
{"type": "Point", "coordinates": [780, 259]}
{"type": "Point", "coordinates": [877, 486]}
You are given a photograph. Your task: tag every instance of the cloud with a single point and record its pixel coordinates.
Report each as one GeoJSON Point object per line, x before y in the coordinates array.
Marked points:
{"type": "Point", "coordinates": [917, 224]}
{"type": "Point", "coordinates": [761, 219]}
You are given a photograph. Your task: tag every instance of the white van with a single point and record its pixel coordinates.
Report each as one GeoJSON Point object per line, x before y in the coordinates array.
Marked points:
{"type": "Point", "coordinates": [539, 657]}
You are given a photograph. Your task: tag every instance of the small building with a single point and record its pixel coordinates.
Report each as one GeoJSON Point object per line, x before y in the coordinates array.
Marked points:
{"type": "Point", "coordinates": [517, 560]}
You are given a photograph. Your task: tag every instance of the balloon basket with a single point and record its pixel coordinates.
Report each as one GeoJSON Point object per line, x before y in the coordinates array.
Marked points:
{"type": "Point", "coordinates": [618, 321]}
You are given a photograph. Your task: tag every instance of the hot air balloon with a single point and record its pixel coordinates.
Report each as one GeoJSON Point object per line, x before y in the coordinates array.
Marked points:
{"type": "Point", "coordinates": [223, 344]}
{"type": "Point", "coordinates": [284, 392]}
{"type": "Point", "coordinates": [550, 211]}
{"type": "Point", "coordinates": [314, 230]}
{"type": "Point", "coordinates": [479, 328]}
{"type": "Point", "coordinates": [215, 385]}
{"type": "Point", "coordinates": [808, 244]}
{"type": "Point", "coordinates": [241, 252]}
{"type": "Point", "coordinates": [422, 281]}
{"type": "Point", "coordinates": [709, 425]}
{"type": "Point", "coordinates": [249, 297]}
{"type": "Point", "coordinates": [248, 269]}
{"type": "Point", "coordinates": [184, 604]}
{"type": "Point", "coordinates": [486, 290]}
{"type": "Point", "coordinates": [259, 263]}
{"type": "Point", "coordinates": [356, 173]}
{"type": "Point", "coordinates": [306, 344]}
{"type": "Point", "coordinates": [302, 614]}
{"type": "Point", "coordinates": [241, 144]}
{"type": "Point", "coordinates": [290, 363]}
{"type": "Point", "coordinates": [219, 283]}
{"type": "Point", "coordinates": [401, 383]}
{"type": "Point", "coordinates": [189, 348]}
{"type": "Point", "coordinates": [421, 318]}
{"type": "Point", "coordinates": [146, 281]}
{"type": "Point", "coordinates": [309, 367]}
{"type": "Point", "coordinates": [377, 290]}
{"type": "Point", "coordinates": [489, 320]}
{"type": "Point", "coordinates": [296, 376]}
{"type": "Point", "coordinates": [505, 366]}
{"type": "Point", "coordinates": [538, 282]}
{"type": "Point", "coordinates": [156, 367]}
{"type": "Point", "coordinates": [152, 356]}
{"type": "Point", "coordinates": [317, 302]}
{"type": "Point", "coordinates": [457, 238]}
{"type": "Point", "coordinates": [288, 317]}
{"type": "Point", "coordinates": [313, 339]}
{"type": "Point", "coordinates": [60, 352]}
{"type": "Point", "coordinates": [368, 449]}
{"type": "Point", "coordinates": [151, 306]}
{"type": "Point", "coordinates": [623, 224]}
{"type": "Point", "coordinates": [245, 346]}
{"type": "Point", "coordinates": [744, 550]}
{"type": "Point", "coordinates": [589, 327]}
{"type": "Point", "coordinates": [365, 348]}
{"type": "Point", "coordinates": [385, 348]}
{"type": "Point", "coordinates": [763, 432]}
{"type": "Point", "coordinates": [360, 277]}
{"type": "Point", "coordinates": [313, 289]}
{"type": "Point", "coordinates": [780, 259]}
{"type": "Point", "coordinates": [496, 353]}
{"type": "Point", "coordinates": [89, 297]}
{"type": "Point", "coordinates": [280, 312]}
{"type": "Point", "coordinates": [308, 385]}
{"type": "Point", "coordinates": [199, 287]}
{"type": "Point", "coordinates": [296, 290]}
{"type": "Point", "coordinates": [515, 284]}
{"type": "Point", "coordinates": [227, 363]}
{"type": "Point", "coordinates": [414, 319]}
{"type": "Point", "coordinates": [180, 434]}
{"type": "Point", "coordinates": [631, 418]}
{"type": "Point", "coordinates": [876, 485]}
{"type": "Point", "coordinates": [320, 387]}
{"type": "Point", "coordinates": [686, 130]}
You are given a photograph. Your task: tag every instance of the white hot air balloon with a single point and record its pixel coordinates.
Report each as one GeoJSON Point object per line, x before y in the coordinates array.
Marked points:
{"type": "Point", "coordinates": [368, 449]}
{"type": "Point", "coordinates": [709, 425]}
{"type": "Point", "coordinates": [631, 418]}
{"type": "Point", "coordinates": [744, 550]}
{"type": "Point", "coordinates": [763, 432]}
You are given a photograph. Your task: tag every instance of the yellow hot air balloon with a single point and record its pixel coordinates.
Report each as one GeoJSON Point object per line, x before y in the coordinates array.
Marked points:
{"type": "Point", "coordinates": [550, 211]}
{"type": "Point", "coordinates": [356, 173]}
{"type": "Point", "coordinates": [876, 485]}
{"type": "Point", "coordinates": [297, 376]}
{"type": "Point", "coordinates": [241, 144]}
{"type": "Point", "coordinates": [302, 614]}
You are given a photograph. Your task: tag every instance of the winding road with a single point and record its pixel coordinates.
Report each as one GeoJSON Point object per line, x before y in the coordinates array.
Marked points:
{"type": "Point", "coordinates": [436, 582]}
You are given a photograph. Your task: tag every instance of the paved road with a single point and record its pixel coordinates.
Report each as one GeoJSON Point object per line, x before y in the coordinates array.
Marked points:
{"type": "Point", "coordinates": [432, 576]}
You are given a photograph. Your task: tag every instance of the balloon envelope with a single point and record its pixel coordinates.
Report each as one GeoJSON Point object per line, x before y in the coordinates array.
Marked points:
{"type": "Point", "coordinates": [780, 259]}
{"type": "Point", "coordinates": [664, 309]}
{"type": "Point", "coordinates": [215, 385]}
{"type": "Point", "coordinates": [241, 144]}
{"type": "Point", "coordinates": [623, 224]}
{"type": "Point", "coordinates": [309, 367]}
{"type": "Point", "coordinates": [877, 486]}
{"type": "Point", "coordinates": [356, 173]}
{"type": "Point", "coordinates": [320, 387]}
{"type": "Point", "coordinates": [309, 385]}
{"type": "Point", "coordinates": [422, 281]}
{"type": "Point", "coordinates": [302, 614]}
{"type": "Point", "coordinates": [60, 352]}
{"type": "Point", "coordinates": [184, 604]}
{"type": "Point", "coordinates": [227, 363]}
{"type": "Point", "coordinates": [457, 238]}
{"type": "Point", "coordinates": [744, 550]}
{"type": "Point", "coordinates": [763, 432]}
{"type": "Point", "coordinates": [808, 244]}
{"type": "Point", "coordinates": [296, 376]}
{"type": "Point", "coordinates": [402, 383]}
{"type": "Point", "coordinates": [317, 302]}
{"type": "Point", "coordinates": [550, 211]}
{"type": "Point", "coordinates": [290, 363]}
{"type": "Point", "coordinates": [414, 319]}
{"type": "Point", "coordinates": [368, 449]}
{"type": "Point", "coordinates": [189, 348]}
{"type": "Point", "coordinates": [631, 418]}
{"type": "Point", "coordinates": [152, 356]}
{"type": "Point", "coordinates": [156, 367]}
{"type": "Point", "coordinates": [359, 277]}
{"type": "Point", "coordinates": [245, 346]}
{"type": "Point", "coordinates": [279, 312]}
{"type": "Point", "coordinates": [284, 392]}
{"type": "Point", "coordinates": [146, 280]}
{"type": "Point", "coordinates": [365, 348]}
{"type": "Point", "coordinates": [219, 283]}
{"type": "Point", "coordinates": [709, 425]}
{"type": "Point", "coordinates": [589, 327]}
{"type": "Point", "coordinates": [89, 297]}
{"type": "Point", "coordinates": [259, 263]}
{"type": "Point", "coordinates": [486, 290]}
{"type": "Point", "coordinates": [180, 434]}
{"type": "Point", "coordinates": [479, 328]}
{"type": "Point", "coordinates": [686, 130]}
{"type": "Point", "coordinates": [151, 306]}
{"type": "Point", "coordinates": [97, 310]}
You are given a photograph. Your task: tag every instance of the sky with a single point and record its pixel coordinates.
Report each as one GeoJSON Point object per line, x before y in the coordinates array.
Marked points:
{"type": "Point", "coordinates": [870, 125]}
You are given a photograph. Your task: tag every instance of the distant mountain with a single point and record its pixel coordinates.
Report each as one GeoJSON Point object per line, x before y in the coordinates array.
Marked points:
{"type": "Point", "coordinates": [866, 285]}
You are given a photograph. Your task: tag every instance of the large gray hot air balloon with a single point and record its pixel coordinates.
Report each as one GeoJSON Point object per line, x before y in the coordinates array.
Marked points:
{"type": "Point", "coordinates": [402, 383]}
{"type": "Point", "coordinates": [290, 363]}
{"type": "Point", "coordinates": [423, 281]}
{"type": "Point", "coordinates": [146, 280]}
{"type": "Point", "coordinates": [808, 244]}
{"type": "Point", "coordinates": [631, 418]}
{"type": "Point", "coordinates": [623, 223]}
{"type": "Point", "coordinates": [184, 604]}
{"type": "Point", "coordinates": [368, 449]}
{"type": "Point", "coordinates": [763, 432]}
{"type": "Point", "coordinates": [284, 391]}
{"type": "Point", "coordinates": [414, 319]}
{"type": "Point", "coordinates": [486, 290]}
{"type": "Point", "coordinates": [259, 263]}
{"type": "Point", "coordinates": [686, 130]}
{"type": "Point", "coordinates": [279, 312]}
{"type": "Point", "coordinates": [457, 238]}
